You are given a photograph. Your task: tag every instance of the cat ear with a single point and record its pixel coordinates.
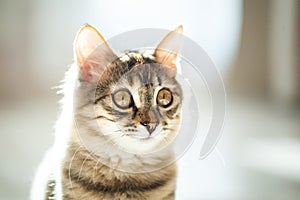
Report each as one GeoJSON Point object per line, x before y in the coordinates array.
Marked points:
{"type": "Point", "coordinates": [167, 50]}
{"type": "Point", "coordinates": [92, 53]}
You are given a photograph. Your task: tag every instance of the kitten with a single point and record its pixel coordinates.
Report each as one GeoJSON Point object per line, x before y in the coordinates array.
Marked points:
{"type": "Point", "coordinates": [119, 118]}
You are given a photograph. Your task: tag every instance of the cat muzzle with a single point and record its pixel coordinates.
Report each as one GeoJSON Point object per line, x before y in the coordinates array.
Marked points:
{"type": "Point", "coordinates": [150, 126]}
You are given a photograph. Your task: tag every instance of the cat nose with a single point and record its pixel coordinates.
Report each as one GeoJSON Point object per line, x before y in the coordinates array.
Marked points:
{"type": "Point", "coordinates": [145, 123]}
{"type": "Point", "coordinates": [150, 126]}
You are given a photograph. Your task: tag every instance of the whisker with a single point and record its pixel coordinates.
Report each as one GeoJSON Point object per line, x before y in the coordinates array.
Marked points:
{"type": "Point", "coordinates": [166, 128]}
{"type": "Point", "coordinates": [127, 134]}
{"type": "Point", "coordinates": [83, 165]}
{"type": "Point", "coordinates": [94, 171]}
{"type": "Point", "coordinates": [129, 125]}
{"type": "Point", "coordinates": [165, 139]}
{"type": "Point", "coordinates": [70, 165]}
{"type": "Point", "coordinates": [172, 123]}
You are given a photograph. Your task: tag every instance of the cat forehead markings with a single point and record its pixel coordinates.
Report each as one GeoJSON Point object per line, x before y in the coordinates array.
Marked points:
{"type": "Point", "coordinates": [133, 57]}
{"type": "Point", "coordinates": [124, 58]}
{"type": "Point", "coordinates": [138, 57]}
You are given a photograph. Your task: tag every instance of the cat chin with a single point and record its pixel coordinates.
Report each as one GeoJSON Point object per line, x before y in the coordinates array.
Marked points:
{"type": "Point", "coordinates": [138, 145]}
{"type": "Point", "coordinates": [142, 142]}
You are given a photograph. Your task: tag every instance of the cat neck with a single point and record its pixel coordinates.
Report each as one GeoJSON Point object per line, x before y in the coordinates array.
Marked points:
{"type": "Point", "coordinates": [83, 171]}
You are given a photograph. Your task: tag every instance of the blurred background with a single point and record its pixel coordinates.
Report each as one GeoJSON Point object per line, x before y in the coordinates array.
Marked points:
{"type": "Point", "coordinates": [254, 43]}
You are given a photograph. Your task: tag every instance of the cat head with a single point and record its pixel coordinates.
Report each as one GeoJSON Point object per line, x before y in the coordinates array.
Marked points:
{"type": "Point", "coordinates": [133, 97]}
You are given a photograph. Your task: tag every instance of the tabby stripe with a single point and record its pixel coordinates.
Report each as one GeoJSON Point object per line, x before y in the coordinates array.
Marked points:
{"type": "Point", "coordinates": [140, 76]}
{"type": "Point", "coordinates": [113, 111]}
{"type": "Point", "coordinates": [170, 195]}
{"type": "Point", "coordinates": [86, 104]}
{"type": "Point", "coordinates": [119, 187]}
{"type": "Point", "coordinates": [159, 80]}
{"type": "Point", "coordinates": [158, 111]}
{"type": "Point", "coordinates": [99, 99]}
{"type": "Point", "coordinates": [130, 80]}
{"type": "Point", "coordinates": [172, 111]}
{"type": "Point", "coordinates": [100, 116]}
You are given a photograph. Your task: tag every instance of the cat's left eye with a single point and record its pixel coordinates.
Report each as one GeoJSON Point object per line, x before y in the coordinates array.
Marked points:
{"type": "Point", "coordinates": [164, 98]}
{"type": "Point", "coordinates": [122, 99]}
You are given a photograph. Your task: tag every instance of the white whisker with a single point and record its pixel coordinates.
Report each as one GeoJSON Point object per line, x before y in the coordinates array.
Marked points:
{"type": "Point", "coordinates": [70, 165]}
{"type": "Point", "coordinates": [94, 171]}
{"type": "Point", "coordinates": [83, 165]}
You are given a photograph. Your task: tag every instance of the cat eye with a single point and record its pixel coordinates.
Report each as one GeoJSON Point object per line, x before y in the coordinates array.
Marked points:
{"type": "Point", "coordinates": [164, 98]}
{"type": "Point", "coordinates": [122, 98]}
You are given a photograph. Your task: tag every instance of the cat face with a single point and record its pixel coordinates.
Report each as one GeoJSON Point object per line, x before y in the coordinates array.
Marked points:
{"type": "Point", "coordinates": [137, 100]}
{"type": "Point", "coordinates": [141, 104]}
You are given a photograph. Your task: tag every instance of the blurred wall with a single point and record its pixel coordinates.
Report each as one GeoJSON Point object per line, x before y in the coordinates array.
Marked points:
{"type": "Point", "coordinates": [267, 65]}
{"type": "Point", "coordinates": [284, 51]}
{"type": "Point", "coordinates": [36, 36]}
{"type": "Point", "coordinates": [248, 75]}
{"type": "Point", "coordinates": [14, 48]}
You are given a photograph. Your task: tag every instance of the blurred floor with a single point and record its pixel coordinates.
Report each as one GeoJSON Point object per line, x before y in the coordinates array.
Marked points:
{"type": "Point", "coordinates": [256, 159]}
{"type": "Point", "coordinates": [26, 133]}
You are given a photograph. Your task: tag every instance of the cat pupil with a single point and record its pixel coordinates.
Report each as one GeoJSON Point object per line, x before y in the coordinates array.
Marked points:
{"type": "Point", "coordinates": [123, 102]}
{"type": "Point", "coordinates": [122, 99]}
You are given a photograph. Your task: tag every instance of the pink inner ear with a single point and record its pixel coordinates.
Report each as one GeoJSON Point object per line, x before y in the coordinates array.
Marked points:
{"type": "Point", "coordinates": [167, 50]}
{"type": "Point", "coordinates": [86, 42]}
{"type": "Point", "coordinates": [167, 59]}
{"type": "Point", "coordinates": [92, 53]}
{"type": "Point", "coordinates": [85, 72]}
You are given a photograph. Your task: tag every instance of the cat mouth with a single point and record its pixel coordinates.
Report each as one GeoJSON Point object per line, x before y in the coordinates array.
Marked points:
{"type": "Point", "coordinates": [137, 136]}
{"type": "Point", "coordinates": [142, 137]}
{"type": "Point", "coordinates": [148, 135]}
{"type": "Point", "coordinates": [142, 134]}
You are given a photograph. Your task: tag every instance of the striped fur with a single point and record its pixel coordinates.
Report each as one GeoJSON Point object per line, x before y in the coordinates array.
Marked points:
{"type": "Point", "coordinates": [82, 174]}
{"type": "Point", "coordinates": [89, 179]}
{"type": "Point", "coordinates": [103, 151]}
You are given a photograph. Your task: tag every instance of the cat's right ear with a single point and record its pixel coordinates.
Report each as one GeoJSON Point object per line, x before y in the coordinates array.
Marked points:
{"type": "Point", "coordinates": [92, 53]}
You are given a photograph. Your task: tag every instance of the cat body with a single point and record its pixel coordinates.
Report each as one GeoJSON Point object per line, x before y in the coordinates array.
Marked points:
{"type": "Point", "coordinates": [119, 117]}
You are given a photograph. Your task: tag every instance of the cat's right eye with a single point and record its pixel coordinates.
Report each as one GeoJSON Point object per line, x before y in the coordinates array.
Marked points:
{"type": "Point", "coordinates": [122, 99]}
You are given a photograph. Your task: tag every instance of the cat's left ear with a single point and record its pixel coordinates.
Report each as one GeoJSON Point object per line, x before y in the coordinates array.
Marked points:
{"type": "Point", "coordinates": [167, 50]}
{"type": "Point", "coordinates": [92, 53]}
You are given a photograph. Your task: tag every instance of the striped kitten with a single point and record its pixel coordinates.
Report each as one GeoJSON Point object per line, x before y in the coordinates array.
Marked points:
{"type": "Point", "coordinates": [120, 115]}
